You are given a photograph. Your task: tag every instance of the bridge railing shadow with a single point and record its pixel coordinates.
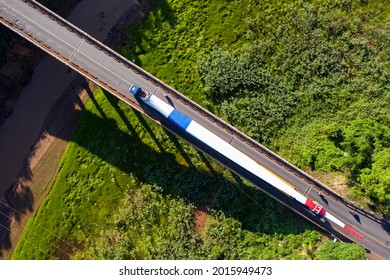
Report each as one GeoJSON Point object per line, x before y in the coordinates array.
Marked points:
{"type": "Point", "coordinates": [202, 187]}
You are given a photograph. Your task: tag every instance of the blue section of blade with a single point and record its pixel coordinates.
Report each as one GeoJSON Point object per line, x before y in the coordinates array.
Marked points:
{"type": "Point", "coordinates": [179, 119]}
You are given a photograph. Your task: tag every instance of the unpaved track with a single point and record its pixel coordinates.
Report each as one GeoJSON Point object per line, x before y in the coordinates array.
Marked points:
{"type": "Point", "coordinates": [29, 155]}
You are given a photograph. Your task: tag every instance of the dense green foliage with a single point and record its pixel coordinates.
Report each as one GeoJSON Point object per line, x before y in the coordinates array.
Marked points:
{"type": "Point", "coordinates": [314, 87]}
{"type": "Point", "coordinates": [300, 77]}
{"type": "Point", "coordinates": [341, 251]}
{"type": "Point", "coordinates": [132, 195]}
{"type": "Point", "coordinates": [376, 181]}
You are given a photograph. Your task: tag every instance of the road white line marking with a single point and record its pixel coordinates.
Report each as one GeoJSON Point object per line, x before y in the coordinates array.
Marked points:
{"type": "Point", "coordinates": [65, 43]}
{"type": "Point", "coordinates": [75, 50]}
{"type": "Point", "coordinates": [359, 230]}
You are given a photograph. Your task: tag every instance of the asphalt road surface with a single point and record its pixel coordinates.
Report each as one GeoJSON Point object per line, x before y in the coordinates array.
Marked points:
{"type": "Point", "coordinates": [116, 75]}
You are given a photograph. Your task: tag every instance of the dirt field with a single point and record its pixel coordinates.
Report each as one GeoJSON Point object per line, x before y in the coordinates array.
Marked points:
{"type": "Point", "coordinates": [34, 137]}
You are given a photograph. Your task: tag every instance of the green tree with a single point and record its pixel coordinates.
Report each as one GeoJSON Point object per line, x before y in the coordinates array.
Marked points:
{"type": "Point", "coordinates": [341, 251]}
{"type": "Point", "coordinates": [362, 137]}
{"type": "Point", "coordinates": [376, 181]}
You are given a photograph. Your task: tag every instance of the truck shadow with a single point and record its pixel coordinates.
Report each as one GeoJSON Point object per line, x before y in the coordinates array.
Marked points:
{"type": "Point", "coordinates": [191, 181]}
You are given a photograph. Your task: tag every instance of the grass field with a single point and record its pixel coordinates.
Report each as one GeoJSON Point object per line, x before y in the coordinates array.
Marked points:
{"type": "Point", "coordinates": [127, 189]}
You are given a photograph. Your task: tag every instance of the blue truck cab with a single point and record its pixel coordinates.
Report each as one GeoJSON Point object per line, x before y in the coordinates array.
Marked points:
{"type": "Point", "coordinates": [135, 89]}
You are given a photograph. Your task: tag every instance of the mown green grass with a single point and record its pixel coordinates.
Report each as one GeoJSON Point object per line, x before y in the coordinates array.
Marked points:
{"type": "Point", "coordinates": [128, 189]}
